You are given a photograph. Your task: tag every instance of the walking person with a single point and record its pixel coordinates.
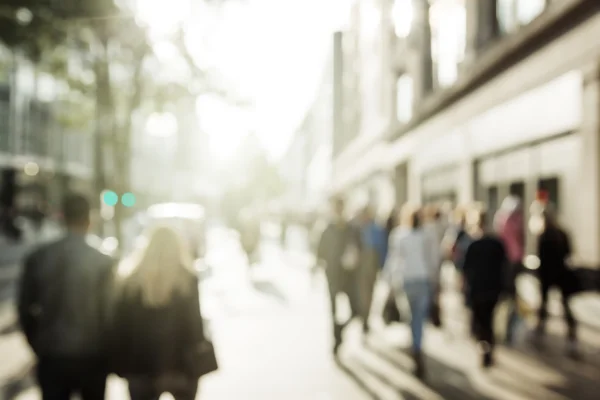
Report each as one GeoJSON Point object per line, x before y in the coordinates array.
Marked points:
{"type": "Point", "coordinates": [373, 255]}
{"type": "Point", "coordinates": [411, 270]}
{"type": "Point", "coordinates": [339, 249]}
{"type": "Point", "coordinates": [554, 249]}
{"type": "Point", "coordinates": [510, 225]}
{"type": "Point", "coordinates": [158, 328]}
{"type": "Point", "coordinates": [484, 272]}
{"type": "Point", "coordinates": [63, 309]}
{"type": "Point", "coordinates": [435, 228]}
{"type": "Point", "coordinates": [460, 240]}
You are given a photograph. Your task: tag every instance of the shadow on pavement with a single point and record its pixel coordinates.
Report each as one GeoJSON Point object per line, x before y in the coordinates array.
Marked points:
{"type": "Point", "coordinates": [268, 288]}
{"type": "Point", "coordinates": [358, 378]}
{"type": "Point", "coordinates": [579, 376]}
{"type": "Point", "coordinates": [450, 383]}
{"type": "Point", "coordinates": [13, 388]}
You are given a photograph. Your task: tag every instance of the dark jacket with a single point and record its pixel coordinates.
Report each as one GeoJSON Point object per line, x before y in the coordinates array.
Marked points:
{"type": "Point", "coordinates": [334, 241]}
{"type": "Point", "coordinates": [155, 341]}
{"type": "Point", "coordinates": [64, 298]}
{"type": "Point", "coordinates": [554, 248]}
{"type": "Point", "coordinates": [485, 267]}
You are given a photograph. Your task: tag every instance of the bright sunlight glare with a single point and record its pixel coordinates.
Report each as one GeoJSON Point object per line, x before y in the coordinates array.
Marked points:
{"type": "Point", "coordinates": [163, 17]}
{"type": "Point", "coordinates": [226, 126]}
{"type": "Point", "coordinates": [256, 54]}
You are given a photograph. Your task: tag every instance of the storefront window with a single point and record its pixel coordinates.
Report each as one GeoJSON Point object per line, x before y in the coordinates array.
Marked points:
{"type": "Point", "coordinates": [514, 13]}
{"type": "Point", "coordinates": [402, 14]}
{"type": "Point", "coordinates": [404, 98]}
{"type": "Point", "coordinates": [550, 189]}
{"type": "Point", "coordinates": [528, 10]}
{"type": "Point", "coordinates": [448, 38]}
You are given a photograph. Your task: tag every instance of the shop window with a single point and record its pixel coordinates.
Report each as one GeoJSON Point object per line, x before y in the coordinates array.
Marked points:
{"type": "Point", "coordinates": [551, 188]}
{"type": "Point", "coordinates": [517, 189]}
{"type": "Point", "coordinates": [448, 20]}
{"type": "Point", "coordinates": [514, 13]}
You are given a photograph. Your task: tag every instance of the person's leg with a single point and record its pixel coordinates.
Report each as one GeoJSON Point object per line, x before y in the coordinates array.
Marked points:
{"type": "Point", "coordinates": [143, 389]}
{"type": "Point", "coordinates": [418, 294]}
{"type": "Point", "coordinates": [367, 285]}
{"type": "Point", "coordinates": [53, 380]}
{"type": "Point", "coordinates": [543, 311]}
{"type": "Point", "coordinates": [486, 330]}
{"type": "Point", "coordinates": [337, 329]}
{"type": "Point", "coordinates": [351, 288]}
{"type": "Point", "coordinates": [93, 386]}
{"type": "Point", "coordinates": [188, 392]}
{"type": "Point", "coordinates": [571, 323]}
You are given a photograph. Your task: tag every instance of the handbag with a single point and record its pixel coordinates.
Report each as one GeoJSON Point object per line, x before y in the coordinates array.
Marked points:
{"type": "Point", "coordinates": [202, 360]}
{"type": "Point", "coordinates": [391, 313]}
{"type": "Point", "coordinates": [434, 310]}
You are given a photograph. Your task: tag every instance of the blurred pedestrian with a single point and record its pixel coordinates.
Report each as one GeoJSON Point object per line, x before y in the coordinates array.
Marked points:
{"type": "Point", "coordinates": [554, 249]}
{"type": "Point", "coordinates": [510, 225]}
{"type": "Point", "coordinates": [373, 255]}
{"type": "Point", "coordinates": [484, 271]}
{"type": "Point", "coordinates": [411, 270]}
{"type": "Point", "coordinates": [158, 329]}
{"type": "Point", "coordinates": [63, 309]}
{"type": "Point", "coordinates": [250, 235]}
{"type": "Point", "coordinates": [339, 249]}
{"type": "Point", "coordinates": [460, 240]}
{"type": "Point", "coordinates": [435, 228]}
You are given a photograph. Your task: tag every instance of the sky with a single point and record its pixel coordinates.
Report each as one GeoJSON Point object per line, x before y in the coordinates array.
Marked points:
{"type": "Point", "coordinates": [271, 51]}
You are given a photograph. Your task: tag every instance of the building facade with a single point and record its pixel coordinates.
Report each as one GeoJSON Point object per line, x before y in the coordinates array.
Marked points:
{"type": "Point", "coordinates": [504, 99]}
{"type": "Point", "coordinates": [307, 166]}
{"type": "Point", "coordinates": [41, 155]}
{"type": "Point", "coordinates": [366, 104]}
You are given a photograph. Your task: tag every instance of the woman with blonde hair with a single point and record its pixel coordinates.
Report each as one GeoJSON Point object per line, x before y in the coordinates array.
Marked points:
{"type": "Point", "coordinates": [159, 342]}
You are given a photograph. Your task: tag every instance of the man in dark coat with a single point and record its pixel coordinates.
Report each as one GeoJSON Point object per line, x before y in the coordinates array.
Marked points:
{"type": "Point", "coordinates": [340, 250]}
{"type": "Point", "coordinates": [63, 309]}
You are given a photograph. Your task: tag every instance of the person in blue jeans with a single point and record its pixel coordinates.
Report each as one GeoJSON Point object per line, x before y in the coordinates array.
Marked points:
{"type": "Point", "coordinates": [412, 269]}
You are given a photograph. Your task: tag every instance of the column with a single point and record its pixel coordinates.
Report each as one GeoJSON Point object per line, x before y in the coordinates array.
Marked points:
{"type": "Point", "coordinates": [466, 180]}
{"type": "Point", "coordinates": [588, 247]}
{"type": "Point", "coordinates": [482, 26]}
{"type": "Point", "coordinates": [421, 65]}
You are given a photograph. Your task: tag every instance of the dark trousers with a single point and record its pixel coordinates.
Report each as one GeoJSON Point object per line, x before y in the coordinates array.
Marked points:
{"type": "Point", "coordinates": [482, 318]}
{"type": "Point", "coordinates": [61, 377]}
{"type": "Point", "coordinates": [545, 286]}
{"type": "Point", "coordinates": [343, 281]}
{"type": "Point", "coordinates": [151, 389]}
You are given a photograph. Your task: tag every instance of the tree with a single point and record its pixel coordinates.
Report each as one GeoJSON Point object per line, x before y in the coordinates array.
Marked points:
{"type": "Point", "coordinates": [105, 38]}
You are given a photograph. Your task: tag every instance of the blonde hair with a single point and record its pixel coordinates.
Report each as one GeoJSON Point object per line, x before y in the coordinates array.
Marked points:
{"type": "Point", "coordinates": [156, 269]}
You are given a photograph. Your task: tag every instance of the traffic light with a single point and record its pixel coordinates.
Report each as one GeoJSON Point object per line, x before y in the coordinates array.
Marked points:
{"type": "Point", "coordinates": [128, 199]}
{"type": "Point", "coordinates": [110, 198]}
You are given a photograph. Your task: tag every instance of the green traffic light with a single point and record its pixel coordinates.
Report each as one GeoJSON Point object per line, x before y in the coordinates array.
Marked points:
{"type": "Point", "coordinates": [110, 198]}
{"type": "Point", "coordinates": [128, 199]}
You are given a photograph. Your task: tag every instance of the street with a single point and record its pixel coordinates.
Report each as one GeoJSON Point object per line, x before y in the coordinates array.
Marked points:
{"type": "Point", "coordinates": [271, 330]}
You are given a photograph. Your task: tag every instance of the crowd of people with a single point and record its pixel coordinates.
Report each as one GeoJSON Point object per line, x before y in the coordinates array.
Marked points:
{"type": "Point", "coordinates": [408, 251]}
{"type": "Point", "coordinates": [86, 315]}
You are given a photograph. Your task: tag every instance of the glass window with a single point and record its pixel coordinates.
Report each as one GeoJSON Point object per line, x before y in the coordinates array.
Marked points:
{"type": "Point", "coordinates": [505, 13]}
{"type": "Point", "coordinates": [404, 98]}
{"type": "Point", "coordinates": [528, 10]}
{"type": "Point", "coordinates": [550, 187]}
{"type": "Point", "coordinates": [402, 15]}
{"type": "Point", "coordinates": [514, 13]}
{"type": "Point", "coordinates": [448, 21]}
